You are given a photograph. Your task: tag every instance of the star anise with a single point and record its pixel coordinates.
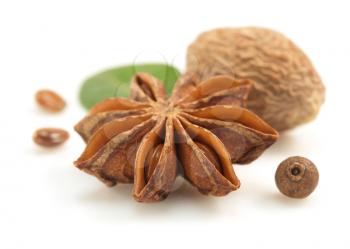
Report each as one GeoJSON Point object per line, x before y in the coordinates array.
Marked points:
{"type": "Point", "coordinates": [149, 139]}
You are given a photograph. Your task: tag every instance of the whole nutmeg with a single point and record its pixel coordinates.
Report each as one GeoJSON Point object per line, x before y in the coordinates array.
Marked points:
{"type": "Point", "coordinates": [287, 90]}
{"type": "Point", "coordinates": [296, 177]}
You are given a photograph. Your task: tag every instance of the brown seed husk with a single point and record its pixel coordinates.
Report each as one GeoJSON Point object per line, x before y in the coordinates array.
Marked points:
{"type": "Point", "coordinates": [149, 138]}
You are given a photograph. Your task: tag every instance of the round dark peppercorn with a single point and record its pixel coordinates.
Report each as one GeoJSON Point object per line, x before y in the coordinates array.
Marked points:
{"type": "Point", "coordinates": [296, 177]}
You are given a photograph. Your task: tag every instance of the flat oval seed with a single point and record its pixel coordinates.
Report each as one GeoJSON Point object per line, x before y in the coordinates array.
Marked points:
{"type": "Point", "coordinates": [50, 100]}
{"type": "Point", "coordinates": [50, 137]}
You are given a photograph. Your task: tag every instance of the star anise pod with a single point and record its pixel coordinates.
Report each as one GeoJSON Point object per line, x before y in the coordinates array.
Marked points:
{"type": "Point", "coordinates": [149, 139]}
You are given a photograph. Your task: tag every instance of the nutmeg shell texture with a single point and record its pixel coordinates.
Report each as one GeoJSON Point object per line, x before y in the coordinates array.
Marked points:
{"type": "Point", "coordinates": [287, 91]}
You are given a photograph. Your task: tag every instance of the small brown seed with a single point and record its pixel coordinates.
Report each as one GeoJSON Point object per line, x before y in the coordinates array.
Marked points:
{"type": "Point", "coordinates": [50, 100]}
{"type": "Point", "coordinates": [50, 137]}
{"type": "Point", "coordinates": [296, 177]}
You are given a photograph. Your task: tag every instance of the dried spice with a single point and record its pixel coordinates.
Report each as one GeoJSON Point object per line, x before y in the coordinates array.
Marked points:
{"type": "Point", "coordinates": [297, 177]}
{"type": "Point", "coordinates": [149, 139]}
{"type": "Point", "coordinates": [50, 100]}
{"type": "Point", "coordinates": [287, 90]}
{"type": "Point", "coordinates": [50, 137]}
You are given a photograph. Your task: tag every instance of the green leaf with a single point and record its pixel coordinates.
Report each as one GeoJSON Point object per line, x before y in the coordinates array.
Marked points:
{"type": "Point", "coordinates": [115, 82]}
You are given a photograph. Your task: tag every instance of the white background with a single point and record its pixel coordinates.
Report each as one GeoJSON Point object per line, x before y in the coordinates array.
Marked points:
{"type": "Point", "coordinates": [47, 203]}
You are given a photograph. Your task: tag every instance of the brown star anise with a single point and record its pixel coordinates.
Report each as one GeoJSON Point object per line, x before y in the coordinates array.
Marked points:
{"type": "Point", "coordinates": [149, 139]}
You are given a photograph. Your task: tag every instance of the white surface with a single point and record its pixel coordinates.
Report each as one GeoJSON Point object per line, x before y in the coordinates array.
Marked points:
{"type": "Point", "coordinates": [47, 203]}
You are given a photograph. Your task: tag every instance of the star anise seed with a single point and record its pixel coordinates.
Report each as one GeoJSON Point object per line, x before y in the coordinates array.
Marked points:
{"type": "Point", "coordinates": [202, 129]}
